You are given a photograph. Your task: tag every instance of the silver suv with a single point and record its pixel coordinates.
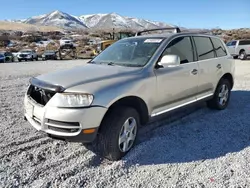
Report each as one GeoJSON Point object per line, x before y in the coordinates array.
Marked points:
{"type": "Point", "coordinates": [129, 83]}
{"type": "Point", "coordinates": [239, 48]}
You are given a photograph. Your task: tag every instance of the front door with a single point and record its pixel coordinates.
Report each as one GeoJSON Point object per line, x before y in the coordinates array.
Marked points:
{"type": "Point", "coordinates": [177, 86]}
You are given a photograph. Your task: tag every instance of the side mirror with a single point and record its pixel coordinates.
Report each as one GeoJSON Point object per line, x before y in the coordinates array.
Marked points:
{"type": "Point", "coordinates": [169, 61]}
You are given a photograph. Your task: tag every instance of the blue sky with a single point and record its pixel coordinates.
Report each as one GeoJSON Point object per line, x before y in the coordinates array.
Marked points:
{"type": "Point", "coordinates": [187, 13]}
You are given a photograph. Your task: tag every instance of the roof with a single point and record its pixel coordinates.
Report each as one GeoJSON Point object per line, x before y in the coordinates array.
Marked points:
{"type": "Point", "coordinates": [168, 35]}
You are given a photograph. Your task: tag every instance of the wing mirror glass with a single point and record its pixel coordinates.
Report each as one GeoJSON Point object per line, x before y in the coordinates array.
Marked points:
{"type": "Point", "coordinates": [169, 61]}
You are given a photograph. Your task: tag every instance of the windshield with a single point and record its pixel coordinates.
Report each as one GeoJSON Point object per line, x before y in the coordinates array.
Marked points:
{"type": "Point", "coordinates": [231, 43]}
{"type": "Point", "coordinates": [133, 52]}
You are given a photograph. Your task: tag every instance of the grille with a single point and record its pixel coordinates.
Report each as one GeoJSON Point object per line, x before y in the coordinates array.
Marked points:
{"type": "Point", "coordinates": [23, 55]}
{"type": "Point", "coordinates": [39, 95]}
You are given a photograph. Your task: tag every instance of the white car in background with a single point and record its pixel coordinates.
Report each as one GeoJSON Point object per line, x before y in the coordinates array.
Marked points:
{"type": "Point", "coordinates": [27, 55]}
{"type": "Point", "coordinates": [44, 43]}
{"type": "Point", "coordinates": [66, 42]}
{"type": "Point", "coordinates": [239, 48]}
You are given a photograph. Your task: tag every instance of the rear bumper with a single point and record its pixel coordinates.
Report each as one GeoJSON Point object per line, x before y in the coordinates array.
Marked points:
{"type": "Point", "coordinates": [64, 123]}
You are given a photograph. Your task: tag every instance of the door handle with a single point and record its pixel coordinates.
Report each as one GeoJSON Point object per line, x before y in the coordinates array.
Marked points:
{"type": "Point", "coordinates": [219, 66]}
{"type": "Point", "coordinates": [194, 71]}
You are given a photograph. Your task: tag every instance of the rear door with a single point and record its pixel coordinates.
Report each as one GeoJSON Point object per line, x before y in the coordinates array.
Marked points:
{"type": "Point", "coordinates": [210, 57]}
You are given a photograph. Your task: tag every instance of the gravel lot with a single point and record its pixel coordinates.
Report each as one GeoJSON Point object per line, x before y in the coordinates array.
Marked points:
{"type": "Point", "coordinates": [203, 149]}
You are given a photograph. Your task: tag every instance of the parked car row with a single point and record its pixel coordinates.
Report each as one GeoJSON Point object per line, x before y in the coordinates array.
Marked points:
{"type": "Point", "coordinates": [27, 55]}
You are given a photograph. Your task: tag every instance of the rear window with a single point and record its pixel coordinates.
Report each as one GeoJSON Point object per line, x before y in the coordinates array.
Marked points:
{"type": "Point", "coordinates": [232, 43]}
{"type": "Point", "coordinates": [244, 42]}
{"type": "Point", "coordinates": [219, 47]}
{"type": "Point", "coordinates": [204, 48]}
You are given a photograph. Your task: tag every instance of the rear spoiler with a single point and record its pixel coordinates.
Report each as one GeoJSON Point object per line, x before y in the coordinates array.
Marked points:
{"type": "Point", "coordinates": [174, 29]}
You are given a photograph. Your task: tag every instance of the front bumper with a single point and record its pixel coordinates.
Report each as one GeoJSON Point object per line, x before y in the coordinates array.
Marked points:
{"type": "Point", "coordinates": [64, 123]}
{"type": "Point", "coordinates": [49, 57]}
{"type": "Point", "coordinates": [24, 58]}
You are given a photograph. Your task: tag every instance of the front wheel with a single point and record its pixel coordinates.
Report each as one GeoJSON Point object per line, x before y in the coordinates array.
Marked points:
{"type": "Point", "coordinates": [221, 96]}
{"type": "Point", "coordinates": [118, 133]}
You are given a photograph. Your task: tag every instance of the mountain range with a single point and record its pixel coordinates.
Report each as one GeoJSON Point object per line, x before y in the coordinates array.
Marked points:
{"type": "Point", "coordinates": [96, 21]}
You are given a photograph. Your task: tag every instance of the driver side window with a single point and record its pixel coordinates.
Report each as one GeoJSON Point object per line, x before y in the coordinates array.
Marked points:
{"type": "Point", "coordinates": [182, 47]}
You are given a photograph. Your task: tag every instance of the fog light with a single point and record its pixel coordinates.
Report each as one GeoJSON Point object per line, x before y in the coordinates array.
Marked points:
{"type": "Point", "coordinates": [88, 131]}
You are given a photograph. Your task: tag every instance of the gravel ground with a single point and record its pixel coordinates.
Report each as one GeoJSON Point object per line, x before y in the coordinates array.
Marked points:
{"type": "Point", "coordinates": [203, 149]}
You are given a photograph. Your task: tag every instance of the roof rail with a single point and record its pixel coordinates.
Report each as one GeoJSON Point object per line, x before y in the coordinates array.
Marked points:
{"type": "Point", "coordinates": [175, 30]}
{"type": "Point", "coordinates": [197, 32]}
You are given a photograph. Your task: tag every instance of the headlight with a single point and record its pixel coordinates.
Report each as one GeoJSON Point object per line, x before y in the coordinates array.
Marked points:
{"type": "Point", "coordinates": [71, 100]}
{"type": "Point", "coordinates": [43, 55]}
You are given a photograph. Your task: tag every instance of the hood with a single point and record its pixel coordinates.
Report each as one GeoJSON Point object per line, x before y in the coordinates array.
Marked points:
{"type": "Point", "coordinates": [87, 74]}
{"type": "Point", "coordinates": [25, 53]}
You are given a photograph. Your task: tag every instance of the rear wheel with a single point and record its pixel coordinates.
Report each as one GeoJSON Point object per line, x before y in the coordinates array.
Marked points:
{"type": "Point", "coordinates": [221, 96]}
{"type": "Point", "coordinates": [118, 133]}
{"type": "Point", "coordinates": [243, 55]}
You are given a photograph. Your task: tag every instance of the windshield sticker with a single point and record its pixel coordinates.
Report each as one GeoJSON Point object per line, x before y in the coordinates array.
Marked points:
{"type": "Point", "coordinates": [152, 40]}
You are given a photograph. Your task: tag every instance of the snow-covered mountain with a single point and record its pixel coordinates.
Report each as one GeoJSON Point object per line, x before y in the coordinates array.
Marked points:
{"type": "Point", "coordinates": [114, 20]}
{"type": "Point", "coordinates": [97, 21]}
{"type": "Point", "coordinates": [57, 18]}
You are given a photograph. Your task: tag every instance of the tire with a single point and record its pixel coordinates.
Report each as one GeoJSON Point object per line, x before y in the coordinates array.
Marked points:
{"type": "Point", "coordinates": [217, 102]}
{"type": "Point", "coordinates": [235, 57]}
{"type": "Point", "coordinates": [243, 55]}
{"type": "Point", "coordinates": [107, 142]}
{"type": "Point", "coordinates": [19, 60]}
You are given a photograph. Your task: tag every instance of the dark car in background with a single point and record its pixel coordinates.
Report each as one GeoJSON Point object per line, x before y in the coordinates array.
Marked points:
{"type": "Point", "coordinates": [8, 56]}
{"type": "Point", "coordinates": [2, 58]}
{"type": "Point", "coordinates": [49, 55]}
